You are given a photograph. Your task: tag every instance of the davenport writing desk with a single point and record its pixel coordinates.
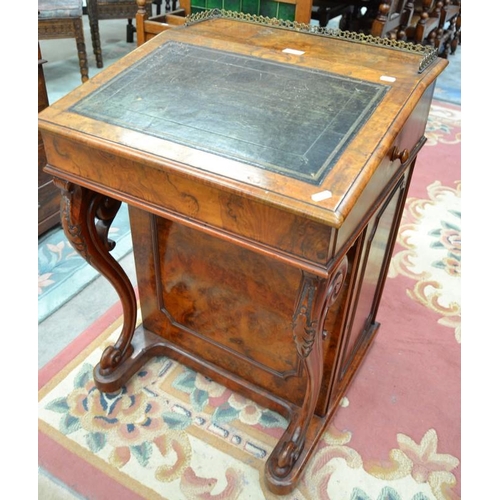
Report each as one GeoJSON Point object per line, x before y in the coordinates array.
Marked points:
{"type": "Point", "coordinates": [265, 166]}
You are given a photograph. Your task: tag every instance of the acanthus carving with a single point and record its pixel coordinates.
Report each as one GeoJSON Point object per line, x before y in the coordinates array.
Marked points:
{"type": "Point", "coordinates": [304, 327]}
{"type": "Point", "coordinates": [306, 320]}
{"type": "Point", "coordinates": [86, 218]}
{"type": "Point", "coordinates": [315, 297]}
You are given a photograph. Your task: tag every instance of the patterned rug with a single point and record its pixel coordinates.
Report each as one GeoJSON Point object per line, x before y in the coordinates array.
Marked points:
{"type": "Point", "coordinates": [173, 434]}
{"type": "Point", "coordinates": [63, 273]}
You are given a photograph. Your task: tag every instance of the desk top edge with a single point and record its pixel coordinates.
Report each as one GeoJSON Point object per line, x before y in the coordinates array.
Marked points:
{"type": "Point", "coordinates": [56, 118]}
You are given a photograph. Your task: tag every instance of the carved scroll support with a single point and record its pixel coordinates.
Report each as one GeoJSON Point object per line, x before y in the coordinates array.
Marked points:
{"type": "Point", "coordinates": [86, 218]}
{"type": "Point", "coordinates": [316, 295]}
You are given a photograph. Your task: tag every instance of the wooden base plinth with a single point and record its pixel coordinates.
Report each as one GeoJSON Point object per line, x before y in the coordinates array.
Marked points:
{"type": "Point", "coordinates": [146, 345]}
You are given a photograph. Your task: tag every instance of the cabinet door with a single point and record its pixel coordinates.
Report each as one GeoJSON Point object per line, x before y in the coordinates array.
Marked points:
{"type": "Point", "coordinates": [377, 243]}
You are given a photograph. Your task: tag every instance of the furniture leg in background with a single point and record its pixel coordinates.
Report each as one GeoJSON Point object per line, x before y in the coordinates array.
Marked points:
{"type": "Point", "coordinates": [63, 19]}
{"type": "Point", "coordinates": [101, 10]}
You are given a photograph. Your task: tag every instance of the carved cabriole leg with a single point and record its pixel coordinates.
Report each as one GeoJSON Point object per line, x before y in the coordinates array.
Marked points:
{"type": "Point", "coordinates": [86, 217]}
{"type": "Point", "coordinates": [316, 295]}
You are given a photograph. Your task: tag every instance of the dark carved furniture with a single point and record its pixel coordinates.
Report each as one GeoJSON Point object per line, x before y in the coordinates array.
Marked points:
{"type": "Point", "coordinates": [113, 9]}
{"type": "Point", "coordinates": [49, 196]}
{"type": "Point", "coordinates": [265, 190]}
{"type": "Point", "coordinates": [436, 23]}
{"type": "Point", "coordinates": [63, 19]}
{"type": "Point", "coordinates": [426, 22]}
{"type": "Point", "coordinates": [355, 15]}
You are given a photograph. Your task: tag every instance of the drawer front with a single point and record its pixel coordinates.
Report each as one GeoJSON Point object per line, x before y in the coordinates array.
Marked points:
{"type": "Point", "coordinates": [414, 128]}
{"type": "Point", "coordinates": [399, 155]}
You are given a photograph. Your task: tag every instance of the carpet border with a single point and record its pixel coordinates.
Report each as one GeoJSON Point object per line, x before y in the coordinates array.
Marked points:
{"type": "Point", "coordinates": [73, 476]}
{"type": "Point", "coordinates": [76, 347]}
{"type": "Point", "coordinates": [63, 452]}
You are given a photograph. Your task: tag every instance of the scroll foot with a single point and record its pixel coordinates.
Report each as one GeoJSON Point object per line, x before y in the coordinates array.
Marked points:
{"type": "Point", "coordinates": [316, 296]}
{"type": "Point", "coordinates": [86, 218]}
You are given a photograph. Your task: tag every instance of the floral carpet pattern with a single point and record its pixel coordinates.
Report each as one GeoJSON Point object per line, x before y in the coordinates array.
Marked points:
{"type": "Point", "coordinates": [168, 423]}
{"type": "Point", "coordinates": [432, 253]}
{"type": "Point", "coordinates": [171, 433]}
{"type": "Point", "coordinates": [437, 286]}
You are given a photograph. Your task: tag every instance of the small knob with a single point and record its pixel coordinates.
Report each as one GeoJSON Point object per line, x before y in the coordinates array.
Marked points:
{"type": "Point", "coordinates": [401, 155]}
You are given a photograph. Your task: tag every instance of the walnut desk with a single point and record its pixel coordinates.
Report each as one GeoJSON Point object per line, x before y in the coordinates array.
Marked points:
{"type": "Point", "coordinates": [266, 170]}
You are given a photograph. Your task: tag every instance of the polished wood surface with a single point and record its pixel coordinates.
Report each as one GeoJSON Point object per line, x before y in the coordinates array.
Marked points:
{"type": "Point", "coordinates": [264, 281]}
{"type": "Point", "coordinates": [434, 23]}
{"type": "Point", "coordinates": [149, 26]}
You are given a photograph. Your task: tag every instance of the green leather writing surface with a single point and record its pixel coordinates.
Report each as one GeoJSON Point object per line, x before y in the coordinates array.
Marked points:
{"type": "Point", "coordinates": [277, 117]}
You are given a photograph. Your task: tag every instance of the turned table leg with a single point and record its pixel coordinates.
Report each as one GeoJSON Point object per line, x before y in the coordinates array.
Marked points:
{"type": "Point", "coordinates": [316, 295]}
{"type": "Point", "coordinates": [86, 217]}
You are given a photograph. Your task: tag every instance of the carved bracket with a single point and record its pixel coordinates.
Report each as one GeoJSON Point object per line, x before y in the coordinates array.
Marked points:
{"type": "Point", "coordinates": [86, 218]}
{"type": "Point", "coordinates": [316, 295]}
